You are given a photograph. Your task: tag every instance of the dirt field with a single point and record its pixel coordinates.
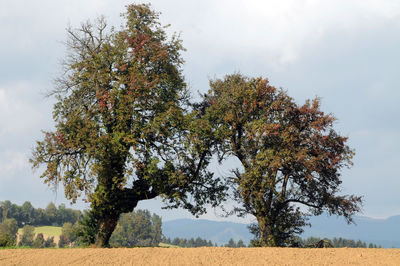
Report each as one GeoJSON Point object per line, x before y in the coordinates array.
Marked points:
{"type": "Point", "coordinates": [201, 256]}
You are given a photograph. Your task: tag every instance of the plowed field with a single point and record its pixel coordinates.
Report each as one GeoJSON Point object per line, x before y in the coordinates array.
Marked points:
{"type": "Point", "coordinates": [201, 256]}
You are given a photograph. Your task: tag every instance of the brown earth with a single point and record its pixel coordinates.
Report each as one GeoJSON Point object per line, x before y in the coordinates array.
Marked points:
{"type": "Point", "coordinates": [200, 256]}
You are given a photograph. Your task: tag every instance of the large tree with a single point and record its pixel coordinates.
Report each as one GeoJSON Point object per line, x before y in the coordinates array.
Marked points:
{"type": "Point", "coordinates": [123, 129]}
{"type": "Point", "coordinates": [290, 156]}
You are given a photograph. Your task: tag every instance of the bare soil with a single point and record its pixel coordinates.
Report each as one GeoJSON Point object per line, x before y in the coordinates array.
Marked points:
{"type": "Point", "coordinates": [201, 256]}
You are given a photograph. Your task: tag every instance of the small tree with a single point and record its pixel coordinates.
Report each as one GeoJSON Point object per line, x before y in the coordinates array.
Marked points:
{"type": "Point", "coordinates": [68, 231]}
{"type": "Point", "coordinates": [63, 242]}
{"type": "Point", "coordinates": [49, 242]}
{"type": "Point", "coordinates": [231, 243]}
{"type": "Point", "coordinates": [85, 229]}
{"type": "Point", "coordinates": [240, 244]}
{"type": "Point", "coordinates": [51, 214]}
{"type": "Point", "coordinates": [28, 235]}
{"type": "Point", "coordinates": [8, 232]}
{"type": "Point", "coordinates": [39, 241]}
{"type": "Point", "coordinates": [28, 213]}
{"type": "Point", "coordinates": [290, 155]}
{"type": "Point", "coordinates": [124, 132]}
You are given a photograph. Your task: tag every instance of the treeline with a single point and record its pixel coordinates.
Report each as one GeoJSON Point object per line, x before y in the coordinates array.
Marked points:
{"type": "Point", "coordinates": [138, 228]}
{"type": "Point", "coordinates": [188, 243]}
{"type": "Point", "coordinates": [302, 243]}
{"type": "Point", "coordinates": [200, 242]}
{"type": "Point", "coordinates": [26, 214]}
{"type": "Point", "coordinates": [336, 242]}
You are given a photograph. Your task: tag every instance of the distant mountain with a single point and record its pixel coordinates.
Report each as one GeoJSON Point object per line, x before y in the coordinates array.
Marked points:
{"type": "Point", "coordinates": [385, 232]}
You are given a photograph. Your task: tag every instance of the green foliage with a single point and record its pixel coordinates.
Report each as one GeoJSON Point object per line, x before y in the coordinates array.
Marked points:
{"type": "Point", "coordinates": [49, 242]}
{"type": "Point", "coordinates": [199, 242]}
{"type": "Point", "coordinates": [28, 235]}
{"type": "Point", "coordinates": [231, 244]}
{"type": "Point", "coordinates": [28, 215]}
{"type": "Point", "coordinates": [335, 242]}
{"type": "Point", "coordinates": [188, 243]}
{"type": "Point", "coordinates": [138, 228]}
{"type": "Point", "coordinates": [289, 155]}
{"type": "Point", "coordinates": [39, 241]}
{"type": "Point", "coordinates": [124, 130]}
{"type": "Point", "coordinates": [51, 213]}
{"type": "Point", "coordinates": [84, 231]}
{"type": "Point", "coordinates": [63, 241]}
{"type": "Point", "coordinates": [8, 232]}
{"type": "Point", "coordinates": [68, 232]}
{"type": "Point", "coordinates": [240, 244]}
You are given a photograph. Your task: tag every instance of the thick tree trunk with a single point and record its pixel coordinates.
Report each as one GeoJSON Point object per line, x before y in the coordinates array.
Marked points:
{"type": "Point", "coordinates": [105, 230]}
{"type": "Point", "coordinates": [266, 236]}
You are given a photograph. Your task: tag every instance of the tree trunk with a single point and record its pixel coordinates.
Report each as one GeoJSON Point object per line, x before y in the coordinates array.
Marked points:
{"type": "Point", "coordinates": [106, 228]}
{"type": "Point", "coordinates": [266, 237]}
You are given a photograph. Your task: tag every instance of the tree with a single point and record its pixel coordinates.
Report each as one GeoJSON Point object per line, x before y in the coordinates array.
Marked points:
{"type": "Point", "coordinates": [231, 243]}
{"type": "Point", "coordinates": [137, 228]}
{"type": "Point", "coordinates": [5, 206]}
{"type": "Point", "coordinates": [124, 130]}
{"type": "Point", "coordinates": [156, 229]}
{"type": "Point", "coordinates": [8, 232]}
{"type": "Point", "coordinates": [28, 212]}
{"type": "Point", "coordinates": [39, 241]}
{"type": "Point", "coordinates": [290, 155]}
{"type": "Point", "coordinates": [40, 217]}
{"type": "Point", "coordinates": [85, 229]}
{"type": "Point", "coordinates": [63, 242]}
{"type": "Point", "coordinates": [49, 242]}
{"type": "Point", "coordinates": [28, 235]}
{"type": "Point", "coordinates": [240, 244]}
{"type": "Point", "coordinates": [68, 231]}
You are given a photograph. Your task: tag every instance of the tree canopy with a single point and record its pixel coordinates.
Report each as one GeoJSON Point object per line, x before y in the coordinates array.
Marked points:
{"type": "Point", "coordinates": [124, 127]}
{"type": "Point", "coordinates": [289, 155]}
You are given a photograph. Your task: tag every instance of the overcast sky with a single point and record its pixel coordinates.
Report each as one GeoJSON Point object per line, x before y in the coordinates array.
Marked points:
{"type": "Point", "coordinates": [346, 52]}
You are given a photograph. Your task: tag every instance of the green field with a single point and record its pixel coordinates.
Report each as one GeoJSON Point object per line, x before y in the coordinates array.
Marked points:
{"type": "Point", "coordinates": [46, 230]}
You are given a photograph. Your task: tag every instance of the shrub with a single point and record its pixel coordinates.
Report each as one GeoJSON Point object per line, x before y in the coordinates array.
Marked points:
{"type": "Point", "coordinates": [63, 242]}
{"type": "Point", "coordinates": [39, 241]}
{"type": "Point", "coordinates": [49, 242]}
{"type": "Point", "coordinates": [28, 235]}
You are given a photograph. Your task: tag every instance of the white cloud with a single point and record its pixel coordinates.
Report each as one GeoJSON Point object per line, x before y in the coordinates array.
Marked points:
{"type": "Point", "coordinates": [11, 163]}
{"type": "Point", "coordinates": [276, 31]}
{"type": "Point", "coordinates": [2, 97]}
{"type": "Point", "coordinates": [19, 112]}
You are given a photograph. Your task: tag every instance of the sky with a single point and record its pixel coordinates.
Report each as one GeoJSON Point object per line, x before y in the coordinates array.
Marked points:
{"type": "Point", "coordinates": [345, 51]}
